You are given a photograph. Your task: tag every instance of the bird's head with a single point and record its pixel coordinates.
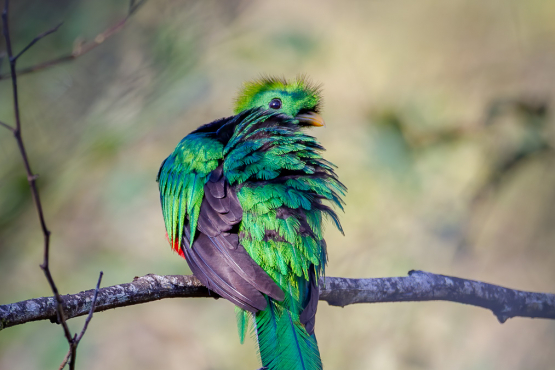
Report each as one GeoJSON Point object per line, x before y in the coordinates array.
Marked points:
{"type": "Point", "coordinates": [298, 99]}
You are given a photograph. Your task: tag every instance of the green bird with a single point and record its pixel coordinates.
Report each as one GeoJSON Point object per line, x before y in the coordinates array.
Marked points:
{"type": "Point", "coordinates": [244, 199]}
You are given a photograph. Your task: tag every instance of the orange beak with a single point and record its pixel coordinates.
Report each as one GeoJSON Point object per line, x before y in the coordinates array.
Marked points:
{"type": "Point", "coordinates": [311, 119]}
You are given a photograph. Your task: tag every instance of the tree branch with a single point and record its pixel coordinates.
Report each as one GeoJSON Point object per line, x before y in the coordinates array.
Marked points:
{"type": "Point", "coordinates": [421, 286]}
{"type": "Point", "coordinates": [30, 176]}
{"type": "Point", "coordinates": [72, 341]}
{"type": "Point", "coordinates": [41, 36]}
{"type": "Point", "coordinates": [81, 48]}
{"type": "Point", "coordinates": [5, 125]}
{"type": "Point", "coordinates": [417, 286]}
{"type": "Point", "coordinates": [73, 350]}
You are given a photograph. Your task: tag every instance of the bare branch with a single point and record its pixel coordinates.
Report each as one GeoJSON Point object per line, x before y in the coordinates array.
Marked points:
{"type": "Point", "coordinates": [144, 289]}
{"type": "Point", "coordinates": [91, 311]}
{"type": "Point", "coordinates": [2, 56]}
{"type": "Point", "coordinates": [30, 176]}
{"type": "Point", "coordinates": [80, 48]}
{"type": "Point", "coordinates": [42, 35]}
{"type": "Point", "coordinates": [7, 126]}
{"type": "Point", "coordinates": [73, 341]}
{"type": "Point", "coordinates": [65, 361]}
{"type": "Point", "coordinates": [418, 286]}
{"type": "Point", "coordinates": [73, 349]}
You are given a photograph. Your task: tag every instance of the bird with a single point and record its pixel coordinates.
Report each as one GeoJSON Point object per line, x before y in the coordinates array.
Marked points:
{"type": "Point", "coordinates": [244, 200]}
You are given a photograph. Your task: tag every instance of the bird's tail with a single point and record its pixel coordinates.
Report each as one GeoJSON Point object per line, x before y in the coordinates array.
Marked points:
{"type": "Point", "coordinates": [283, 342]}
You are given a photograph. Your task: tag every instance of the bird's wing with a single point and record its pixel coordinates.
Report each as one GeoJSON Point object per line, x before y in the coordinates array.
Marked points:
{"type": "Point", "coordinates": [181, 182]}
{"type": "Point", "coordinates": [218, 259]}
{"type": "Point", "coordinates": [200, 207]}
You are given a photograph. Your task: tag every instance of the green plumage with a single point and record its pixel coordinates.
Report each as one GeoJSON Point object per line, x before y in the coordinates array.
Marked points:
{"type": "Point", "coordinates": [181, 180]}
{"type": "Point", "coordinates": [281, 183]}
{"type": "Point", "coordinates": [283, 341]}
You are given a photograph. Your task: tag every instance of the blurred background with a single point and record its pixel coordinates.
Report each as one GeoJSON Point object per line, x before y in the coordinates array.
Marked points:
{"type": "Point", "coordinates": [439, 116]}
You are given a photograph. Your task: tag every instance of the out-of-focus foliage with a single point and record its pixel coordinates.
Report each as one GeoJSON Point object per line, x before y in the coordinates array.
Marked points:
{"type": "Point", "coordinates": [439, 115]}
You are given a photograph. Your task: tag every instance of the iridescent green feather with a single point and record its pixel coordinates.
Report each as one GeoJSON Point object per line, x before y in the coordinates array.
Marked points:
{"type": "Point", "coordinates": [283, 342]}
{"type": "Point", "coordinates": [181, 181]}
{"type": "Point", "coordinates": [282, 224]}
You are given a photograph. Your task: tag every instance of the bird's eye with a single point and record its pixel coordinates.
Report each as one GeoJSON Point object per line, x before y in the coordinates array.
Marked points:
{"type": "Point", "coordinates": [275, 103]}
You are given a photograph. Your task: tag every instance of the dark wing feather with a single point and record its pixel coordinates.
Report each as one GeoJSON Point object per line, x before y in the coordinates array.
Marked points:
{"type": "Point", "coordinates": [308, 316]}
{"type": "Point", "coordinates": [220, 278]}
{"type": "Point", "coordinates": [217, 258]}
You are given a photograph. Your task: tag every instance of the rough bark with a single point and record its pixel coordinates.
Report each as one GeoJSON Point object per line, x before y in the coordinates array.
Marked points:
{"type": "Point", "coordinates": [424, 286]}
{"type": "Point", "coordinates": [417, 286]}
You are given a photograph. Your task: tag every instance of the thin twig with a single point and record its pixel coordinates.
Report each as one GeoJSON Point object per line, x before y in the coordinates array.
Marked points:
{"type": "Point", "coordinates": [93, 304]}
{"type": "Point", "coordinates": [5, 125]}
{"type": "Point", "coordinates": [65, 361]}
{"type": "Point", "coordinates": [41, 36]}
{"type": "Point", "coordinates": [2, 56]}
{"type": "Point", "coordinates": [505, 303]}
{"type": "Point", "coordinates": [73, 351]}
{"type": "Point", "coordinates": [80, 48]}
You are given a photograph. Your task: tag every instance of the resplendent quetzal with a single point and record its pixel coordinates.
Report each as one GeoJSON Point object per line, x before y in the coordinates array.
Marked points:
{"type": "Point", "coordinates": [244, 199]}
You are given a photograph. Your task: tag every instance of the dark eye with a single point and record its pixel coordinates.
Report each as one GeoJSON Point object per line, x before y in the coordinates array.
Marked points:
{"type": "Point", "coordinates": [275, 103]}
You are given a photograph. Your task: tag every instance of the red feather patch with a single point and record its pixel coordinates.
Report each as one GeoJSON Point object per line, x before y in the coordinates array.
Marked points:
{"type": "Point", "coordinates": [175, 246]}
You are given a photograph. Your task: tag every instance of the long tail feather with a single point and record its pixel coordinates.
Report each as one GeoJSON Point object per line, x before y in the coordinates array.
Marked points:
{"type": "Point", "coordinates": [283, 341]}
{"type": "Point", "coordinates": [242, 322]}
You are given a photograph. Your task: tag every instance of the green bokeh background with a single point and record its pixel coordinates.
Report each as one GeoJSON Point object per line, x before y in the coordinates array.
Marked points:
{"type": "Point", "coordinates": [438, 116]}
